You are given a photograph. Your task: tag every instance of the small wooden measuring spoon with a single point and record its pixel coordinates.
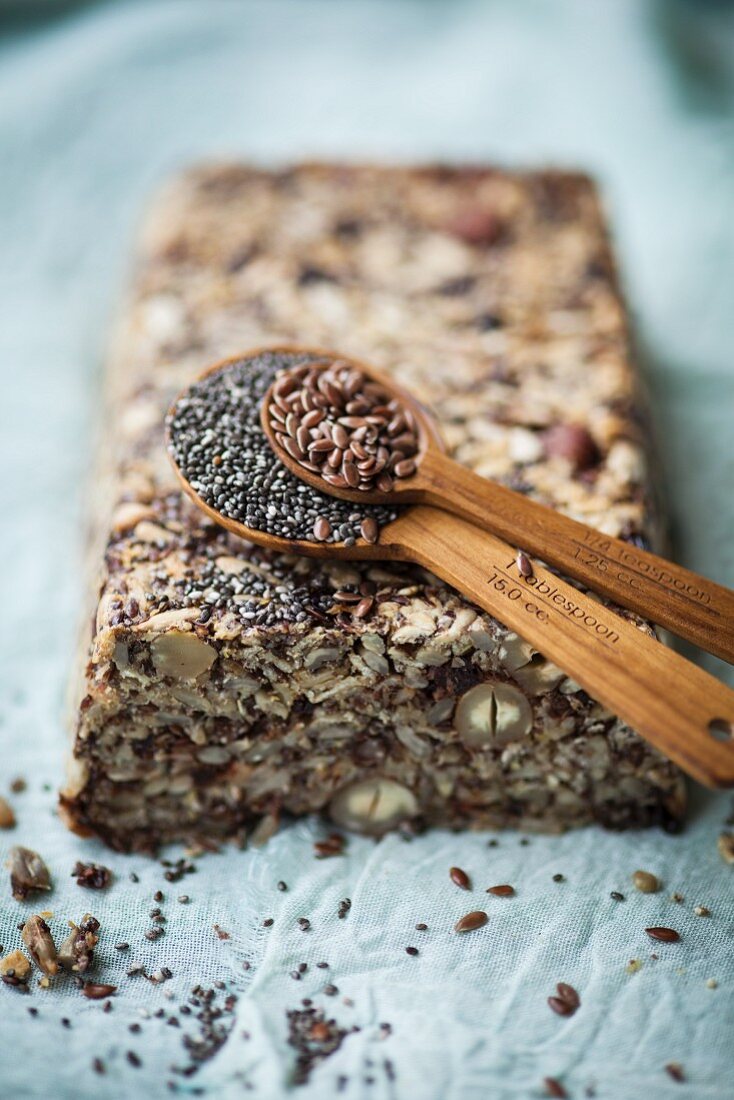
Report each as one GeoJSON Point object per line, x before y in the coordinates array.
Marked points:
{"type": "Point", "coordinates": [680, 709]}
{"type": "Point", "coordinates": [689, 605]}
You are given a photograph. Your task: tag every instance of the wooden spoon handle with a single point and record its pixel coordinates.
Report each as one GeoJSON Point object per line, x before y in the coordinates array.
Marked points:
{"type": "Point", "coordinates": [690, 606]}
{"type": "Point", "coordinates": [673, 704]}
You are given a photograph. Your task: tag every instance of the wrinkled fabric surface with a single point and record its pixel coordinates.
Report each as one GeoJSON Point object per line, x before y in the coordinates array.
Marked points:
{"type": "Point", "coordinates": [97, 105]}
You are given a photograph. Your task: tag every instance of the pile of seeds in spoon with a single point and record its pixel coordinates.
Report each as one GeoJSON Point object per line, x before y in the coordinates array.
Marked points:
{"type": "Point", "coordinates": [217, 442]}
{"type": "Point", "coordinates": [343, 426]}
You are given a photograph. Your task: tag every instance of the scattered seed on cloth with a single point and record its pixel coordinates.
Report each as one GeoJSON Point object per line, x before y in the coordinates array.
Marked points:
{"type": "Point", "coordinates": [665, 935]}
{"type": "Point", "coordinates": [471, 921]}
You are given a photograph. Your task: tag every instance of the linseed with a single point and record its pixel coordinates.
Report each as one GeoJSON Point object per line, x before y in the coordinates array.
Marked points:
{"type": "Point", "coordinates": [524, 565]}
{"type": "Point", "coordinates": [471, 921]}
{"type": "Point", "coordinates": [460, 878]}
{"type": "Point", "coordinates": [665, 935]}
{"type": "Point", "coordinates": [97, 991]}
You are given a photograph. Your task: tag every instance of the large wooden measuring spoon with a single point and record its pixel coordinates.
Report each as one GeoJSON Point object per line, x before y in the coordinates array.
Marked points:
{"type": "Point", "coordinates": [690, 606]}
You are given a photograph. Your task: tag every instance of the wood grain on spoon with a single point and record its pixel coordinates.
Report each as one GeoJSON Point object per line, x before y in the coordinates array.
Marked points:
{"type": "Point", "coordinates": [690, 606]}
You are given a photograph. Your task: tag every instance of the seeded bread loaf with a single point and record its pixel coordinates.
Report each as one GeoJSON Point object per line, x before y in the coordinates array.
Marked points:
{"type": "Point", "coordinates": [221, 687]}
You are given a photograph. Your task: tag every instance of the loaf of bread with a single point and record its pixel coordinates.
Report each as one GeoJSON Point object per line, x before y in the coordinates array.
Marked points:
{"type": "Point", "coordinates": [220, 687]}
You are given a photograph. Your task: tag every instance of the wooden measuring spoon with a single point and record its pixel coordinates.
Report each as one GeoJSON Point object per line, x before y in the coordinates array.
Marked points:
{"type": "Point", "coordinates": [680, 709]}
{"type": "Point", "coordinates": [689, 605]}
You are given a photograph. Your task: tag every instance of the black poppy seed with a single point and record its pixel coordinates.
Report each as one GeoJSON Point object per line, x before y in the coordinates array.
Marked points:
{"type": "Point", "coordinates": [220, 417]}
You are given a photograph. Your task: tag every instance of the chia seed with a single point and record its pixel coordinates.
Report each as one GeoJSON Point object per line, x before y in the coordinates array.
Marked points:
{"type": "Point", "coordinates": [219, 417]}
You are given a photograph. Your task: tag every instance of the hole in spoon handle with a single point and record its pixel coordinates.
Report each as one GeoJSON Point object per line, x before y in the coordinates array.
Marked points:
{"type": "Point", "coordinates": [722, 730]}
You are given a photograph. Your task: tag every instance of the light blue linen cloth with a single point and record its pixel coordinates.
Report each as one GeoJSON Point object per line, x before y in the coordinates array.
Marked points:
{"type": "Point", "coordinates": [95, 109]}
